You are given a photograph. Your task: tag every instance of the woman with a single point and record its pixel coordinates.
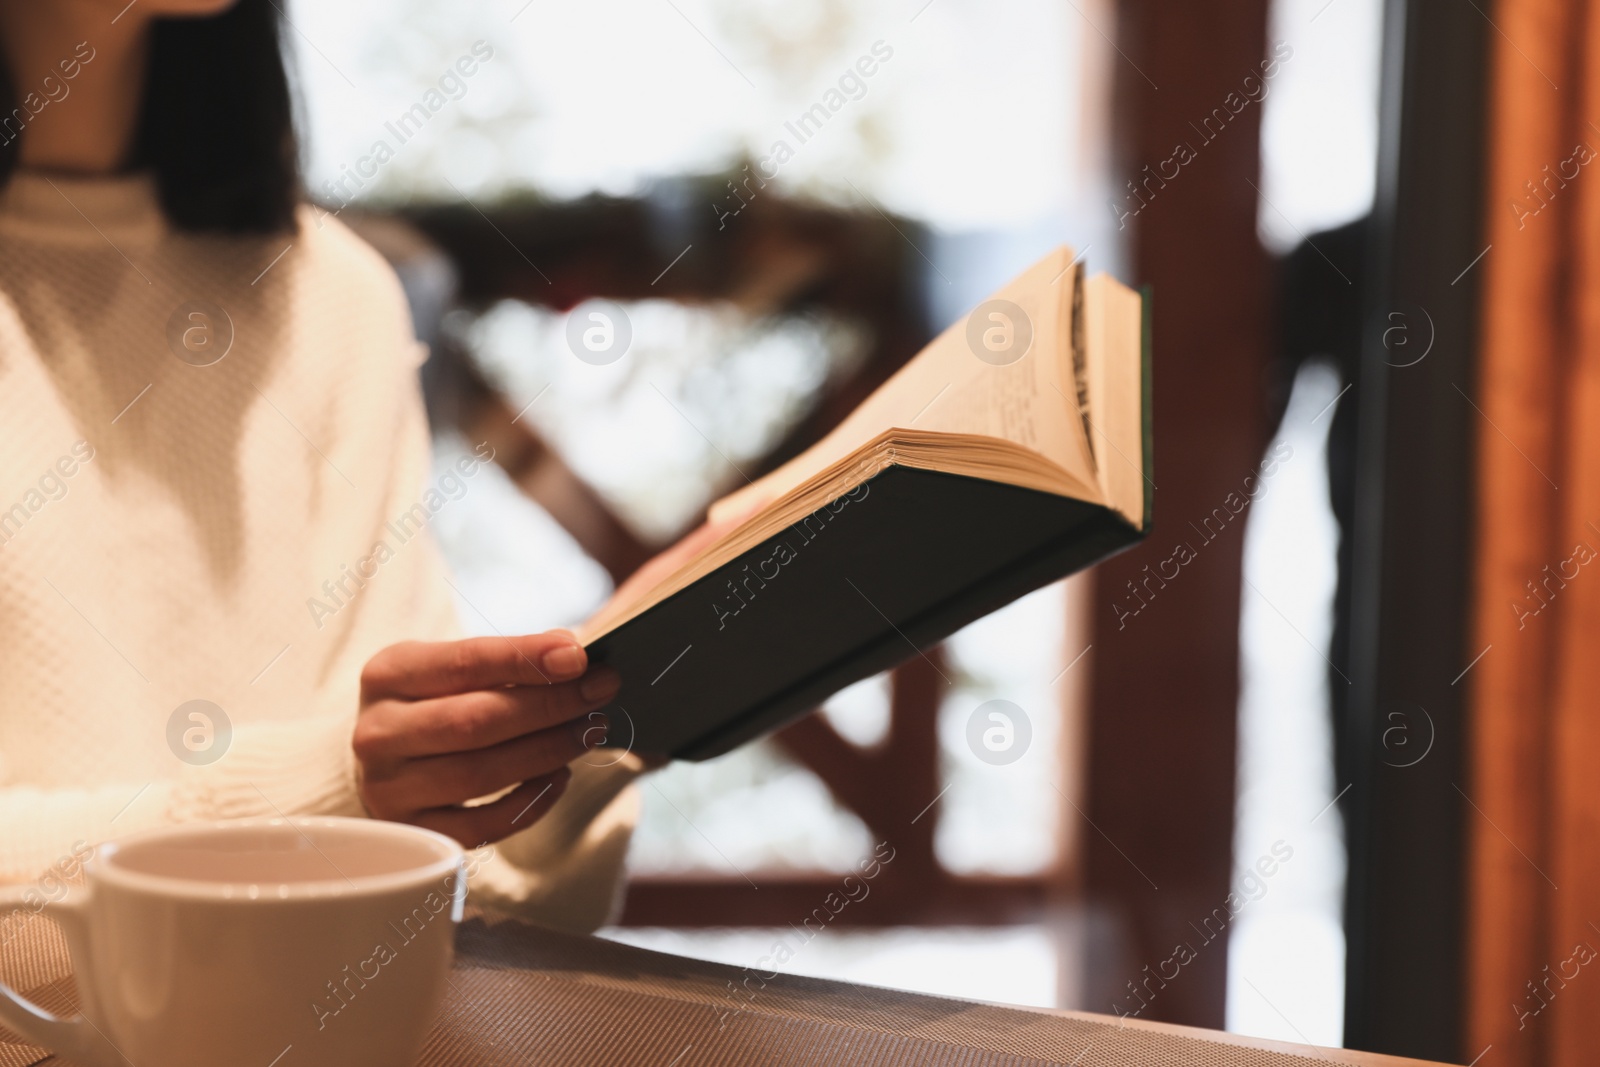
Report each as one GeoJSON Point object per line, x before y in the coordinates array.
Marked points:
{"type": "Point", "coordinates": [209, 420]}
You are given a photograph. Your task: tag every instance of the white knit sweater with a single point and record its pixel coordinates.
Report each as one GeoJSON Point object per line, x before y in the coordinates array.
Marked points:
{"type": "Point", "coordinates": [164, 526]}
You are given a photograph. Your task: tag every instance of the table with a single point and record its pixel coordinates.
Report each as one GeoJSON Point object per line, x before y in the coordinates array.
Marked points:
{"type": "Point", "coordinates": [522, 995]}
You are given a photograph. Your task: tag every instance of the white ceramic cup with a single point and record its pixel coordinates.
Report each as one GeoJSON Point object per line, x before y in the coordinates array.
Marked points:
{"type": "Point", "coordinates": [290, 942]}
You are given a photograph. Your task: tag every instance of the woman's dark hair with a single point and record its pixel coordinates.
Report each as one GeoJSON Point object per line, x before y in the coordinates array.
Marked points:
{"type": "Point", "coordinates": [216, 127]}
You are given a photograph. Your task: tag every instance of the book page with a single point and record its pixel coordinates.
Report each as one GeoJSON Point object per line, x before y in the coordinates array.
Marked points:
{"type": "Point", "coordinates": [1029, 398]}
{"type": "Point", "coordinates": [1003, 370]}
{"type": "Point", "coordinates": [1114, 316]}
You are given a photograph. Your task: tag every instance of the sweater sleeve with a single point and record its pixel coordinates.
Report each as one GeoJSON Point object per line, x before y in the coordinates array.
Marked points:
{"type": "Point", "coordinates": [566, 870]}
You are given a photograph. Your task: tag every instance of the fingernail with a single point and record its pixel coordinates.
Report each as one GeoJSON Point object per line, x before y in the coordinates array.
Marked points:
{"type": "Point", "coordinates": [564, 661]}
{"type": "Point", "coordinates": [599, 685]}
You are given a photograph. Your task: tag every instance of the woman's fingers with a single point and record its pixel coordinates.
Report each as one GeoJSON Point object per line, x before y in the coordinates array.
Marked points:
{"type": "Point", "coordinates": [392, 730]}
{"type": "Point", "coordinates": [417, 670]}
{"type": "Point", "coordinates": [446, 723]}
{"type": "Point", "coordinates": [517, 810]}
{"type": "Point", "coordinates": [434, 781]}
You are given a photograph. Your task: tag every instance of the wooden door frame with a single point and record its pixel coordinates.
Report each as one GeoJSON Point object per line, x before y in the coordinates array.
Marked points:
{"type": "Point", "coordinates": [1411, 605]}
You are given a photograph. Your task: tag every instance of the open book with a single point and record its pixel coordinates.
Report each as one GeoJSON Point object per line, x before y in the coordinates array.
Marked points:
{"type": "Point", "coordinates": [1012, 451]}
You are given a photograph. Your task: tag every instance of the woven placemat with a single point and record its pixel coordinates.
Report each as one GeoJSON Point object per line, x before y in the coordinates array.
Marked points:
{"type": "Point", "coordinates": [523, 995]}
{"type": "Point", "coordinates": [33, 959]}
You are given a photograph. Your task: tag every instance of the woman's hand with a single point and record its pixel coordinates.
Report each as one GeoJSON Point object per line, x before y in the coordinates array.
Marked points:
{"type": "Point", "coordinates": [446, 722]}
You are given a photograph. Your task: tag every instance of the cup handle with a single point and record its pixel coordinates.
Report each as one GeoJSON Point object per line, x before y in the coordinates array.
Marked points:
{"type": "Point", "coordinates": [76, 1038]}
